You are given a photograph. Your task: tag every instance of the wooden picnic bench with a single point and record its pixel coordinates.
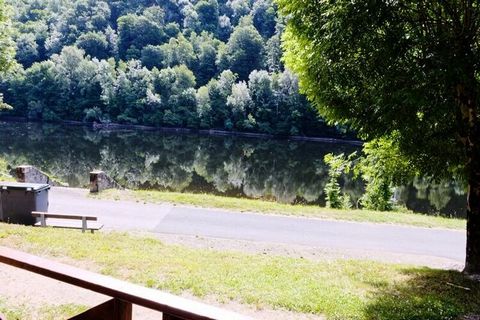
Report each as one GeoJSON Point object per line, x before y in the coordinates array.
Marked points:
{"type": "Point", "coordinates": [123, 294]}
{"type": "Point", "coordinates": [63, 220]}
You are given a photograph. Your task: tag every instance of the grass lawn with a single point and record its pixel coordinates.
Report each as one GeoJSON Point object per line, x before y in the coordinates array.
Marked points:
{"type": "Point", "coordinates": [261, 206]}
{"type": "Point", "coordinates": [343, 289]}
{"type": "Point", "coordinates": [47, 312]}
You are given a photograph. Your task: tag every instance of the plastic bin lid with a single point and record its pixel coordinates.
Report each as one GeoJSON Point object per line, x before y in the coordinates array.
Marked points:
{"type": "Point", "coordinates": [23, 186]}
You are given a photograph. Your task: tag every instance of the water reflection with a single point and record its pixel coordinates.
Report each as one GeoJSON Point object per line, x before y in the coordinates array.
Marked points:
{"type": "Point", "coordinates": [285, 171]}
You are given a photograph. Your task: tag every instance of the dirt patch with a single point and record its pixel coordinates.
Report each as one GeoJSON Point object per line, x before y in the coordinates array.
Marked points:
{"type": "Point", "coordinates": [305, 252]}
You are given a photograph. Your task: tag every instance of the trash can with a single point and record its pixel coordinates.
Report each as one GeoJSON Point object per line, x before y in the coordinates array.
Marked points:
{"type": "Point", "coordinates": [18, 200]}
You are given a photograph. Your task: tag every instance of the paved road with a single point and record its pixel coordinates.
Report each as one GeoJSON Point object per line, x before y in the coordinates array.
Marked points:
{"type": "Point", "coordinates": [166, 218]}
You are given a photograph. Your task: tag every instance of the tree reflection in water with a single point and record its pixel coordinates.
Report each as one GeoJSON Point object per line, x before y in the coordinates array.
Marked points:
{"type": "Point", "coordinates": [280, 170]}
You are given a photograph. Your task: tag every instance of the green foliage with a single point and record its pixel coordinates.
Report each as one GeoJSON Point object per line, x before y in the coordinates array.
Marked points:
{"type": "Point", "coordinates": [377, 68]}
{"type": "Point", "coordinates": [264, 17]}
{"type": "Point", "coordinates": [207, 15]}
{"type": "Point", "coordinates": [338, 165]}
{"type": "Point", "coordinates": [93, 115]}
{"type": "Point", "coordinates": [383, 69]}
{"type": "Point", "coordinates": [378, 194]}
{"type": "Point", "coordinates": [333, 194]}
{"type": "Point", "coordinates": [243, 52]}
{"type": "Point", "coordinates": [27, 49]}
{"type": "Point", "coordinates": [382, 167]}
{"type": "Point", "coordinates": [102, 61]}
{"type": "Point", "coordinates": [7, 51]}
{"type": "Point", "coordinates": [94, 44]}
{"type": "Point", "coordinates": [5, 170]}
{"type": "Point", "coordinates": [136, 32]}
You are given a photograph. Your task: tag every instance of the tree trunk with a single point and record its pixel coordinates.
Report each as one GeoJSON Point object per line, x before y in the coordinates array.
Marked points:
{"type": "Point", "coordinates": [466, 100]}
{"type": "Point", "coordinates": [472, 150]}
{"type": "Point", "coordinates": [472, 261]}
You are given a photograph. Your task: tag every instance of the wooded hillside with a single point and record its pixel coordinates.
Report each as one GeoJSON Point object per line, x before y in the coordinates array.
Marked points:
{"type": "Point", "coordinates": [179, 63]}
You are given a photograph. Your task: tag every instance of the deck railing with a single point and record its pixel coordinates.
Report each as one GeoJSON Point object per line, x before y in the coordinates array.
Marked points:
{"type": "Point", "coordinates": [123, 294]}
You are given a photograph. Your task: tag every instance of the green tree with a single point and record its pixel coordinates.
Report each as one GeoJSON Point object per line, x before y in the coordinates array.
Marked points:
{"type": "Point", "coordinates": [260, 87]}
{"type": "Point", "coordinates": [338, 165]}
{"type": "Point", "coordinates": [7, 51]}
{"type": "Point", "coordinates": [219, 90]}
{"type": "Point", "coordinates": [27, 49]}
{"type": "Point", "coordinates": [244, 52]}
{"type": "Point", "coordinates": [207, 15]}
{"type": "Point", "coordinates": [138, 31]}
{"type": "Point", "coordinates": [77, 85]}
{"type": "Point", "coordinates": [224, 28]}
{"type": "Point", "coordinates": [239, 9]}
{"type": "Point", "coordinates": [290, 105]}
{"type": "Point", "coordinates": [39, 90]}
{"type": "Point", "coordinates": [94, 44]}
{"type": "Point", "coordinates": [274, 54]}
{"type": "Point", "coordinates": [205, 47]}
{"type": "Point", "coordinates": [405, 71]}
{"type": "Point", "coordinates": [177, 51]}
{"type": "Point", "coordinates": [241, 104]}
{"type": "Point", "coordinates": [175, 87]}
{"type": "Point", "coordinates": [132, 95]}
{"type": "Point", "coordinates": [153, 56]}
{"type": "Point", "coordinates": [204, 107]}
{"type": "Point", "coordinates": [264, 16]}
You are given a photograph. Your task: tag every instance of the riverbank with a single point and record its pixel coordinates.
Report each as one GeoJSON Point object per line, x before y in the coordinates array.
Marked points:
{"type": "Point", "coordinates": [339, 289]}
{"type": "Point", "coordinates": [211, 132]}
{"type": "Point", "coordinates": [270, 207]}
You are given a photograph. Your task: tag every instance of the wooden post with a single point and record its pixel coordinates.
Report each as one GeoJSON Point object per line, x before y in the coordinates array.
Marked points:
{"type": "Point", "coordinates": [114, 309]}
{"type": "Point", "coordinates": [123, 310]}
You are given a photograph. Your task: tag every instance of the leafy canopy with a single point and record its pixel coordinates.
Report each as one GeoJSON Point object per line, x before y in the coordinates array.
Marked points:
{"type": "Point", "coordinates": [390, 69]}
{"type": "Point", "coordinates": [6, 44]}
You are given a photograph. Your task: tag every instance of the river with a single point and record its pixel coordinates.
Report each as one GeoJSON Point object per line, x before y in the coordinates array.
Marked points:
{"type": "Point", "coordinates": [273, 169]}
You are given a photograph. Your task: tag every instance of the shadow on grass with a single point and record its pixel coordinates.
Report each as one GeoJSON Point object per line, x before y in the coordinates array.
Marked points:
{"type": "Point", "coordinates": [426, 294]}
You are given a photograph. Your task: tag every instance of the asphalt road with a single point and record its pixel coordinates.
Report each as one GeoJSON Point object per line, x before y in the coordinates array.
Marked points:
{"type": "Point", "coordinates": [338, 235]}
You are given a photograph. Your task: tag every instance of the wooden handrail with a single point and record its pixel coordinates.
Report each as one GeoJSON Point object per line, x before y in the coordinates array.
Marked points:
{"type": "Point", "coordinates": [172, 306]}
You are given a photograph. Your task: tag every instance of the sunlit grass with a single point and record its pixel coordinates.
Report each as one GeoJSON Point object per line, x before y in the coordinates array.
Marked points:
{"type": "Point", "coordinates": [342, 289]}
{"type": "Point", "coordinates": [4, 171]}
{"type": "Point", "coordinates": [262, 206]}
{"type": "Point", "coordinates": [13, 311]}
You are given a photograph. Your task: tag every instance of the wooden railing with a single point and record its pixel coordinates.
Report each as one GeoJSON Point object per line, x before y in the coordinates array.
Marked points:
{"type": "Point", "coordinates": [123, 294]}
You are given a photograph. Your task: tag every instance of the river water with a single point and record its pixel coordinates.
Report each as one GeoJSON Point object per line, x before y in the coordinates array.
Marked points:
{"type": "Point", "coordinates": [280, 170]}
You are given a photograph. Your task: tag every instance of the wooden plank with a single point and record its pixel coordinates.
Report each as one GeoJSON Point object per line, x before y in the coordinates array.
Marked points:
{"type": "Point", "coordinates": [164, 302]}
{"type": "Point", "coordinates": [123, 310]}
{"type": "Point", "coordinates": [113, 309]}
{"type": "Point", "coordinates": [69, 224]}
{"type": "Point", "coordinates": [170, 317]}
{"type": "Point", "coordinates": [64, 216]}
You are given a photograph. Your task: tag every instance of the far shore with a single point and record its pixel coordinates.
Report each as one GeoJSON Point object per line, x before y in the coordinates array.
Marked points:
{"type": "Point", "coordinates": [212, 132]}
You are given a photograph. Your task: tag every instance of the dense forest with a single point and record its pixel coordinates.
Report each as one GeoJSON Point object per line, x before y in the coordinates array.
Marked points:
{"type": "Point", "coordinates": [198, 64]}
